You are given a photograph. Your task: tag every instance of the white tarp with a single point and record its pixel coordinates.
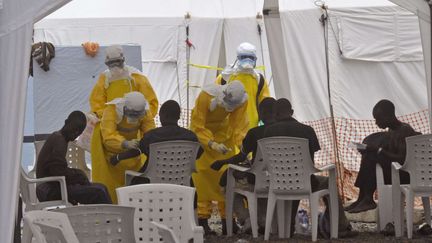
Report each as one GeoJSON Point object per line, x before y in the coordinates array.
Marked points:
{"type": "Point", "coordinates": [161, 31]}
{"type": "Point", "coordinates": [356, 85]}
{"type": "Point", "coordinates": [67, 85]}
{"type": "Point", "coordinates": [16, 29]}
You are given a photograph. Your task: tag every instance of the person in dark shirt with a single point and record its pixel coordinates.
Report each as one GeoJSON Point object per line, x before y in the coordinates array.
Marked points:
{"type": "Point", "coordinates": [169, 115]}
{"type": "Point", "coordinates": [52, 162]}
{"type": "Point", "coordinates": [249, 144]}
{"type": "Point", "coordinates": [286, 125]}
{"type": "Point", "coordinates": [383, 148]}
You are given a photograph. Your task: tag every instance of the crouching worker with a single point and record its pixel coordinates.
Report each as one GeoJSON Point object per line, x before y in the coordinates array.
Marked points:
{"type": "Point", "coordinates": [169, 115]}
{"type": "Point", "coordinates": [52, 162]}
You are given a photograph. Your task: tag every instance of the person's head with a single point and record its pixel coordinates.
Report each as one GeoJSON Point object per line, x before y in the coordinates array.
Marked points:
{"type": "Point", "coordinates": [246, 55]}
{"type": "Point", "coordinates": [384, 113]}
{"type": "Point", "coordinates": [114, 58]}
{"type": "Point", "coordinates": [135, 106]}
{"type": "Point", "coordinates": [233, 95]}
{"type": "Point", "coordinates": [282, 109]}
{"type": "Point", "coordinates": [169, 113]}
{"type": "Point", "coordinates": [74, 125]}
{"type": "Point", "coordinates": [265, 110]}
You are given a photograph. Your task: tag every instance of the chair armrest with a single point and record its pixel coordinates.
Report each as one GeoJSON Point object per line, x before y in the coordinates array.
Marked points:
{"type": "Point", "coordinates": [60, 179]}
{"type": "Point", "coordinates": [239, 168]}
{"type": "Point", "coordinates": [132, 173]}
{"type": "Point", "coordinates": [327, 167]}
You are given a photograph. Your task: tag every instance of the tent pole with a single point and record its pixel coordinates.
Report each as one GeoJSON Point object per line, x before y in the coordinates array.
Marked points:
{"type": "Point", "coordinates": [324, 20]}
{"type": "Point", "coordinates": [259, 18]}
{"type": "Point", "coordinates": [188, 47]}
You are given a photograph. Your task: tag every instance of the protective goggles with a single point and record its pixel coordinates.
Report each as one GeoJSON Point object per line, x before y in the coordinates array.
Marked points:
{"type": "Point", "coordinates": [241, 57]}
{"type": "Point", "coordinates": [115, 63]}
{"type": "Point", "coordinates": [133, 113]}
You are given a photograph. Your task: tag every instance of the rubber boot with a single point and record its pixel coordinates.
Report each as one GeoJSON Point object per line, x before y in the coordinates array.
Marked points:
{"type": "Point", "coordinates": [205, 225]}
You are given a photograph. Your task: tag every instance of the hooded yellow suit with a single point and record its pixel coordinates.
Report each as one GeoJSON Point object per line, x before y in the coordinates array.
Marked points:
{"type": "Point", "coordinates": [219, 126]}
{"type": "Point", "coordinates": [103, 145]}
{"type": "Point", "coordinates": [250, 83]}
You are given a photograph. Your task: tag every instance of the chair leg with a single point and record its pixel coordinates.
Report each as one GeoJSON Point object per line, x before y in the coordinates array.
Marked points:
{"type": "Point", "coordinates": [398, 211]}
{"type": "Point", "coordinates": [229, 210]}
{"type": "Point", "coordinates": [27, 234]}
{"type": "Point", "coordinates": [409, 213]}
{"type": "Point", "coordinates": [334, 216]}
{"type": "Point", "coordinates": [281, 218]}
{"type": "Point", "coordinates": [314, 204]}
{"type": "Point", "coordinates": [427, 209]}
{"type": "Point", "coordinates": [271, 204]}
{"type": "Point", "coordinates": [288, 215]}
{"type": "Point", "coordinates": [253, 214]}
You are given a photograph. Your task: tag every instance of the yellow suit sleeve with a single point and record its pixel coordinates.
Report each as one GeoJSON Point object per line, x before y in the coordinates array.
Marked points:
{"type": "Point", "coordinates": [198, 119]}
{"type": "Point", "coordinates": [265, 92]}
{"type": "Point", "coordinates": [146, 89]}
{"type": "Point", "coordinates": [239, 123]}
{"type": "Point", "coordinates": [218, 79]}
{"type": "Point", "coordinates": [147, 124]}
{"type": "Point", "coordinates": [112, 139]}
{"type": "Point", "coordinates": [98, 97]}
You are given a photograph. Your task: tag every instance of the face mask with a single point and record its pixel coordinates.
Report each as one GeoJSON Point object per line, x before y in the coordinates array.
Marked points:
{"type": "Point", "coordinates": [247, 63]}
{"type": "Point", "coordinates": [132, 120]}
{"type": "Point", "coordinates": [116, 71]}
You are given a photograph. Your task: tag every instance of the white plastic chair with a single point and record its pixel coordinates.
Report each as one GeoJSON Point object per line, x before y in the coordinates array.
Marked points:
{"type": "Point", "coordinates": [290, 167]}
{"type": "Point", "coordinates": [166, 233]}
{"type": "Point", "coordinates": [28, 192]}
{"type": "Point", "coordinates": [384, 213]}
{"type": "Point", "coordinates": [101, 223]}
{"type": "Point", "coordinates": [418, 164]}
{"type": "Point", "coordinates": [49, 227]}
{"type": "Point", "coordinates": [171, 205]}
{"type": "Point", "coordinates": [259, 190]}
{"type": "Point", "coordinates": [170, 162]}
{"type": "Point", "coordinates": [75, 157]}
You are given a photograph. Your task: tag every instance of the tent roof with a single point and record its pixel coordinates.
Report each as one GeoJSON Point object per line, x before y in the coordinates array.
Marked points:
{"type": "Point", "coordinates": [310, 4]}
{"type": "Point", "coordinates": [150, 8]}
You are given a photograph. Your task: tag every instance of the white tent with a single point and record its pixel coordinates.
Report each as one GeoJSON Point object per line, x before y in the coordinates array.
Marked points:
{"type": "Point", "coordinates": [16, 27]}
{"type": "Point", "coordinates": [379, 43]}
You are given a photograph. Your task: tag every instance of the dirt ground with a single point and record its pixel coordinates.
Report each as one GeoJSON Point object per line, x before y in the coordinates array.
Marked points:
{"type": "Point", "coordinates": [366, 233]}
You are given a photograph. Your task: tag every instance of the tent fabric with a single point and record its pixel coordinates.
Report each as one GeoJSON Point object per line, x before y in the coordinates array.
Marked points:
{"type": "Point", "coordinates": [69, 88]}
{"type": "Point", "coordinates": [16, 29]}
{"type": "Point", "coordinates": [160, 29]}
{"type": "Point", "coordinates": [379, 38]}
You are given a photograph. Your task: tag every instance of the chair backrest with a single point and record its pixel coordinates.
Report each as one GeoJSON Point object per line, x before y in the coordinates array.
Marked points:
{"type": "Point", "coordinates": [289, 163]}
{"type": "Point", "coordinates": [75, 157]}
{"type": "Point", "coordinates": [172, 162]}
{"type": "Point", "coordinates": [418, 161]}
{"type": "Point", "coordinates": [167, 234]}
{"type": "Point", "coordinates": [50, 227]}
{"type": "Point", "coordinates": [101, 223]}
{"type": "Point", "coordinates": [171, 205]}
{"type": "Point", "coordinates": [28, 190]}
{"type": "Point", "coordinates": [260, 170]}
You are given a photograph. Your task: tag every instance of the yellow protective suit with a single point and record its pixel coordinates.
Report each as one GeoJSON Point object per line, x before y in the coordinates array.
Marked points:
{"type": "Point", "coordinates": [106, 141]}
{"type": "Point", "coordinates": [250, 84]}
{"type": "Point", "coordinates": [220, 126]}
{"type": "Point", "coordinates": [105, 91]}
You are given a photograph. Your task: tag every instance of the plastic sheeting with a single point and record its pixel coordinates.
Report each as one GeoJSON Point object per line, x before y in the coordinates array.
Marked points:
{"type": "Point", "coordinates": [67, 85]}
{"type": "Point", "coordinates": [16, 29]}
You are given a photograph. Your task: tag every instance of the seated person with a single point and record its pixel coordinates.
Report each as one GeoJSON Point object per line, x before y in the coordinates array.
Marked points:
{"type": "Point", "coordinates": [286, 125]}
{"type": "Point", "coordinates": [383, 148]}
{"type": "Point", "coordinates": [249, 144]}
{"type": "Point", "coordinates": [52, 162]}
{"type": "Point", "coordinates": [169, 115]}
